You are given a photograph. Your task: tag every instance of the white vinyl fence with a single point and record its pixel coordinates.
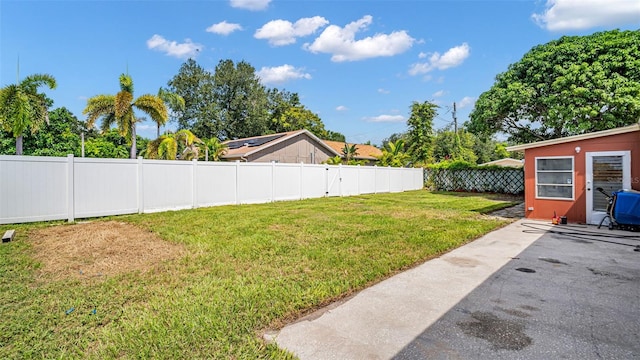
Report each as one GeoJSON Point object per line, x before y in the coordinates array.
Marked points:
{"type": "Point", "coordinates": [57, 188]}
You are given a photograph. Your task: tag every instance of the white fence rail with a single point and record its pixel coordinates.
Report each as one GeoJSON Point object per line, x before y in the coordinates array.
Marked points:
{"type": "Point", "coordinates": [56, 188]}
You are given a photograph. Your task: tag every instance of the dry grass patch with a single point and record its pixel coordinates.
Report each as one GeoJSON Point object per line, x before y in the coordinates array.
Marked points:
{"type": "Point", "coordinates": [99, 249]}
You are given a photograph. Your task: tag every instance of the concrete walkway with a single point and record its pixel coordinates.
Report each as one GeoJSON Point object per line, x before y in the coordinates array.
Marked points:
{"type": "Point", "coordinates": [381, 320]}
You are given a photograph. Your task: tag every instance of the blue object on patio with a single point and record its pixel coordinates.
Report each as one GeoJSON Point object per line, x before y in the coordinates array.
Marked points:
{"type": "Point", "coordinates": [626, 207]}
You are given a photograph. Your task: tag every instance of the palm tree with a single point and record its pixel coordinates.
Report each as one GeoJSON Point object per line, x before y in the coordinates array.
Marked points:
{"type": "Point", "coordinates": [214, 149]}
{"type": "Point", "coordinates": [119, 109]}
{"type": "Point", "coordinates": [22, 107]}
{"type": "Point", "coordinates": [166, 146]}
{"type": "Point", "coordinates": [336, 160]}
{"type": "Point", "coordinates": [393, 154]}
{"type": "Point", "coordinates": [349, 152]}
{"type": "Point", "coordinates": [172, 101]}
{"type": "Point", "coordinates": [191, 144]}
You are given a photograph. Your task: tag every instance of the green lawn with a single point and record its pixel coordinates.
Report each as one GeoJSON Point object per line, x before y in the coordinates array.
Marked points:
{"type": "Point", "coordinates": [246, 269]}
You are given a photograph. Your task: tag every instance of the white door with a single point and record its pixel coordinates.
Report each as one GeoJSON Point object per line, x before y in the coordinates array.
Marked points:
{"type": "Point", "coordinates": [609, 170]}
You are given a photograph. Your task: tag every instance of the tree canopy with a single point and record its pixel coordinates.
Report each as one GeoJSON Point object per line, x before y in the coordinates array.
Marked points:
{"type": "Point", "coordinates": [120, 109]}
{"type": "Point", "coordinates": [195, 85]}
{"type": "Point", "coordinates": [23, 108]}
{"type": "Point", "coordinates": [232, 103]}
{"type": "Point", "coordinates": [420, 133]}
{"type": "Point", "coordinates": [573, 85]}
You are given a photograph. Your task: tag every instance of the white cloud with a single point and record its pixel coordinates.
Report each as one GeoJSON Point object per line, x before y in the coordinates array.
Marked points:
{"type": "Point", "coordinates": [385, 118]}
{"type": "Point", "coordinates": [253, 5]}
{"type": "Point", "coordinates": [422, 55]}
{"type": "Point", "coordinates": [281, 74]}
{"type": "Point", "coordinates": [223, 28]}
{"type": "Point", "coordinates": [146, 127]}
{"type": "Point", "coordinates": [180, 50]}
{"type": "Point", "coordinates": [342, 108]}
{"type": "Point", "coordinates": [466, 101]}
{"type": "Point", "coordinates": [585, 14]}
{"type": "Point", "coordinates": [283, 32]}
{"type": "Point", "coordinates": [451, 58]}
{"type": "Point", "coordinates": [384, 91]}
{"type": "Point", "coordinates": [438, 93]}
{"type": "Point", "coordinates": [342, 45]}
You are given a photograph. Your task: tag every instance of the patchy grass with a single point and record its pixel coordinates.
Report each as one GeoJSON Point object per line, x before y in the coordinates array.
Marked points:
{"type": "Point", "coordinates": [224, 274]}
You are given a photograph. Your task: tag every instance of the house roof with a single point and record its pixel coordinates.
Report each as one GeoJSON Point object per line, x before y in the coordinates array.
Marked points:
{"type": "Point", "coordinates": [593, 135]}
{"type": "Point", "coordinates": [508, 162]}
{"type": "Point", "coordinates": [368, 152]}
{"type": "Point", "coordinates": [238, 148]}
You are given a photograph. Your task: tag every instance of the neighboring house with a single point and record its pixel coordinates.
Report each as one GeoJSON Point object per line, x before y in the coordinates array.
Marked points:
{"type": "Point", "coordinates": [562, 175]}
{"type": "Point", "coordinates": [368, 153]}
{"type": "Point", "coordinates": [506, 162]}
{"type": "Point", "coordinates": [299, 146]}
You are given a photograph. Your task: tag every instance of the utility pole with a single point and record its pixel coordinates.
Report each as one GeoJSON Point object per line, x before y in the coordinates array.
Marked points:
{"type": "Point", "coordinates": [455, 119]}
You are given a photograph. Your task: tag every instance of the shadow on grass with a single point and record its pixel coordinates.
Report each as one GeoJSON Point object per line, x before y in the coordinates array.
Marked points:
{"type": "Point", "coordinates": [510, 200]}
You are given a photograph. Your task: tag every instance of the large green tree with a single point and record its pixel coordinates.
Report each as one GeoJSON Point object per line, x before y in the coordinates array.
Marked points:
{"type": "Point", "coordinates": [173, 102]}
{"type": "Point", "coordinates": [109, 144]}
{"type": "Point", "coordinates": [335, 136]}
{"type": "Point", "coordinates": [195, 85]}
{"type": "Point", "coordinates": [297, 118]}
{"type": "Point", "coordinates": [120, 109]}
{"type": "Point", "coordinates": [449, 145]}
{"type": "Point", "coordinates": [22, 108]}
{"type": "Point", "coordinates": [241, 100]}
{"type": "Point", "coordinates": [573, 85]}
{"type": "Point", "coordinates": [61, 136]}
{"type": "Point", "coordinates": [420, 133]}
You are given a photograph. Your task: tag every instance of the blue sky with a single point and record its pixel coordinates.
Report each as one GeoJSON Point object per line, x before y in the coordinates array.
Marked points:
{"type": "Point", "coordinates": [358, 64]}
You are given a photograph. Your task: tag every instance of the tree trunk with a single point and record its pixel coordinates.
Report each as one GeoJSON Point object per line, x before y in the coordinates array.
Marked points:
{"type": "Point", "coordinates": [133, 141]}
{"type": "Point", "coordinates": [19, 145]}
{"type": "Point", "coordinates": [158, 131]}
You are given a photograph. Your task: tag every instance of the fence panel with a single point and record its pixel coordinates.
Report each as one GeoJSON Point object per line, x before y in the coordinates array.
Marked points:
{"type": "Point", "coordinates": [367, 179]}
{"type": "Point", "coordinates": [105, 187]}
{"type": "Point", "coordinates": [255, 183]}
{"type": "Point", "coordinates": [54, 188]}
{"type": "Point", "coordinates": [287, 180]}
{"type": "Point", "coordinates": [383, 179]}
{"type": "Point", "coordinates": [349, 177]}
{"type": "Point", "coordinates": [395, 179]}
{"type": "Point", "coordinates": [507, 180]}
{"type": "Point", "coordinates": [216, 183]}
{"type": "Point", "coordinates": [418, 179]}
{"type": "Point", "coordinates": [167, 185]}
{"type": "Point", "coordinates": [314, 181]}
{"type": "Point", "coordinates": [334, 182]}
{"type": "Point", "coordinates": [33, 188]}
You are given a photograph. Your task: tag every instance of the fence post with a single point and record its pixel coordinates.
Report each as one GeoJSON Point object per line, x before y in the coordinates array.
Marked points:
{"type": "Point", "coordinates": [358, 179]}
{"type": "Point", "coordinates": [237, 182]}
{"type": "Point", "coordinates": [340, 179]}
{"type": "Point", "coordinates": [194, 183]}
{"type": "Point", "coordinates": [301, 179]}
{"type": "Point", "coordinates": [70, 188]}
{"type": "Point", "coordinates": [273, 181]}
{"type": "Point", "coordinates": [375, 179]}
{"type": "Point", "coordinates": [140, 186]}
{"type": "Point", "coordinates": [326, 181]}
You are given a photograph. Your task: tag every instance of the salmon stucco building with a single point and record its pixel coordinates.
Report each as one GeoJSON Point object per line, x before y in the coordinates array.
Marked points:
{"type": "Point", "coordinates": [562, 175]}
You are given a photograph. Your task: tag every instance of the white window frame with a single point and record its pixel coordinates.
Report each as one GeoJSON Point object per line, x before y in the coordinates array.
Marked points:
{"type": "Point", "coordinates": [573, 177]}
